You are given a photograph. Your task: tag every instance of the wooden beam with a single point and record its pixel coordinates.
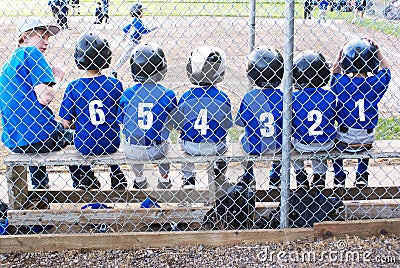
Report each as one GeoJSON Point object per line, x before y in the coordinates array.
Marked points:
{"type": "Point", "coordinates": [32, 243]}
{"type": "Point", "coordinates": [361, 228]}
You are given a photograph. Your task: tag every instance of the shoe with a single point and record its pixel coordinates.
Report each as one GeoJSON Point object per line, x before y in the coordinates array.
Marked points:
{"type": "Point", "coordinates": [41, 187]}
{"type": "Point", "coordinates": [89, 185]}
{"type": "Point", "coordinates": [319, 180]}
{"type": "Point", "coordinates": [37, 203]}
{"type": "Point", "coordinates": [188, 183]}
{"type": "Point", "coordinates": [302, 179]}
{"type": "Point", "coordinates": [118, 181]}
{"type": "Point", "coordinates": [141, 184]}
{"type": "Point", "coordinates": [248, 182]}
{"type": "Point", "coordinates": [274, 183]}
{"type": "Point", "coordinates": [361, 180]}
{"type": "Point", "coordinates": [164, 184]}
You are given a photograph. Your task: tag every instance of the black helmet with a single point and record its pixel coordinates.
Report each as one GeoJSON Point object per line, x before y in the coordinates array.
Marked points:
{"type": "Point", "coordinates": [136, 10]}
{"type": "Point", "coordinates": [359, 56]}
{"type": "Point", "coordinates": [206, 65]}
{"type": "Point", "coordinates": [92, 52]}
{"type": "Point", "coordinates": [148, 63]}
{"type": "Point", "coordinates": [265, 67]}
{"type": "Point", "coordinates": [310, 69]}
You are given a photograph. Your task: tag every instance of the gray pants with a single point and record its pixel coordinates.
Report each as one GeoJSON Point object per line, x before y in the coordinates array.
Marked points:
{"type": "Point", "coordinates": [152, 152]}
{"type": "Point", "coordinates": [206, 149]}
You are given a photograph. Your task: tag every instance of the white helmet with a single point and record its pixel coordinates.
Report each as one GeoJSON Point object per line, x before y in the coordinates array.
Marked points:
{"type": "Point", "coordinates": [206, 65]}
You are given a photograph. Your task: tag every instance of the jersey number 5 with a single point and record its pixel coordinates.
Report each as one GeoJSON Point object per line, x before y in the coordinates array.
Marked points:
{"type": "Point", "coordinates": [145, 116]}
{"type": "Point", "coordinates": [201, 122]}
{"type": "Point", "coordinates": [97, 116]}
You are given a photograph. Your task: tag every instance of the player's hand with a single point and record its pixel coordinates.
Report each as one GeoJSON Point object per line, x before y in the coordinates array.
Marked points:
{"type": "Point", "coordinates": [58, 73]}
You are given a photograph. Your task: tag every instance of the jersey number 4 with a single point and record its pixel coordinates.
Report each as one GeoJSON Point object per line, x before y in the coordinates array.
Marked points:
{"type": "Point", "coordinates": [201, 122]}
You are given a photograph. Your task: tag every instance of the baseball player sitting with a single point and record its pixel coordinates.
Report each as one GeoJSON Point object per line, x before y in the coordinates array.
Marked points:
{"type": "Point", "coordinates": [260, 111]}
{"type": "Point", "coordinates": [146, 111]}
{"type": "Point", "coordinates": [204, 115]}
{"type": "Point", "coordinates": [90, 105]}
{"type": "Point", "coordinates": [134, 30]}
{"type": "Point", "coordinates": [360, 78]}
{"type": "Point", "coordinates": [314, 112]}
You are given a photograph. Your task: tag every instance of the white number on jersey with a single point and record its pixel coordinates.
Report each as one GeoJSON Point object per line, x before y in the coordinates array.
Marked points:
{"type": "Point", "coordinates": [145, 116]}
{"type": "Point", "coordinates": [318, 119]}
{"type": "Point", "coordinates": [97, 116]}
{"type": "Point", "coordinates": [267, 122]}
{"type": "Point", "coordinates": [201, 122]}
{"type": "Point", "coordinates": [361, 109]}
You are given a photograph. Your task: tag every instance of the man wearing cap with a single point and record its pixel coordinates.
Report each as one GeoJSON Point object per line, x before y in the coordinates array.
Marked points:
{"type": "Point", "coordinates": [27, 85]}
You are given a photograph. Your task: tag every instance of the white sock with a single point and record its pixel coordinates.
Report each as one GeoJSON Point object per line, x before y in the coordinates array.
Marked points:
{"type": "Point", "coordinates": [140, 179]}
{"type": "Point", "coordinates": [163, 179]}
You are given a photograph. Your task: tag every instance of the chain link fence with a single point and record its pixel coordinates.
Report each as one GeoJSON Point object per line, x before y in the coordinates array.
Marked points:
{"type": "Point", "coordinates": [278, 141]}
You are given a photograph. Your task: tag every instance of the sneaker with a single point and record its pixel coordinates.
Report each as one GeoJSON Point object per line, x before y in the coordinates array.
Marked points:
{"type": "Point", "coordinates": [362, 180]}
{"type": "Point", "coordinates": [41, 187]}
{"type": "Point", "coordinates": [164, 183]}
{"type": "Point", "coordinates": [188, 183]}
{"type": "Point", "coordinates": [248, 182]}
{"type": "Point", "coordinates": [87, 185]}
{"type": "Point", "coordinates": [140, 183]}
{"type": "Point", "coordinates": [118, 181]}
{"type": "Point", "coordinates": [302, 179]}
{"type": "Point", "coordinates": [319, 180]}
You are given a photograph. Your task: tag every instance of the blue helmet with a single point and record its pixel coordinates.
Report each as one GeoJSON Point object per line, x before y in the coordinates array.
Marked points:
{"type": "Point", "coordinates": [265, 67]}
{"type": "Point", "coordinates": [136, 10]}
{"type": "Point", "coordinates": [359, 56]}
{"type": "Point", "coordinates": [310, 70]}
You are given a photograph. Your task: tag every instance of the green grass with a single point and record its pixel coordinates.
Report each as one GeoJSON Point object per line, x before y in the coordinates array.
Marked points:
{"type": "Point", "coordinates": [185, 8]}
{"type": "Point", "coordinates": [388, 129]}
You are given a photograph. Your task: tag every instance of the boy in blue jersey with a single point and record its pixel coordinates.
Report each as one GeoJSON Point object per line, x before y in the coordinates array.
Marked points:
{"type": "Point", "coordinates": [204, 115]}
{"type": "Point", "coordinates": [323, 8]}
{"type": "Point", "coordinates": [260, 111]}
{"type": "Point", "coordinates": [360, 78]}
{"type": "Point", "coordinates": [314, 113]}
{"type": "Point", "coordinates": [90, 105]}
{"type": "Point", "coordinates": [134, 30]}
{"type": "Point", "coordinates": [146, 111]}
{"type": "Point", "coordinates": [27, 86]}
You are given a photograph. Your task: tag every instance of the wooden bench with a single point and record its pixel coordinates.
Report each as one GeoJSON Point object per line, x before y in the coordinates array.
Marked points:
{"type": "Point", "coordinates": [16, 173]}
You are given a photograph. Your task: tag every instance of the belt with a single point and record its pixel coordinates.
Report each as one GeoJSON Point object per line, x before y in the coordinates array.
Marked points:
{"type": "Point", "coordinates": [346, 129]}
{"type": "Point", "coordinates": [146, 143]}
{"type": "Point", "coordinates": [367, 146]}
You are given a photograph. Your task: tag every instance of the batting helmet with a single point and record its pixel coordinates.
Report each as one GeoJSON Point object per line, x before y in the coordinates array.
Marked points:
{"type": "Point", "coordinates": [310, 69]}
{"type": "Point", "coordinates": [136, 10]}
{"type": "Point", "coordinates": [359, 56]}
{"type": "Point", "coordinates": [92, 52]}
{"type": "Point", "coordinates": [206, 65]}
{"type": "Point", "coordinates": [148, 63]}
{"type": "Point", "coordinates": [265, 67]}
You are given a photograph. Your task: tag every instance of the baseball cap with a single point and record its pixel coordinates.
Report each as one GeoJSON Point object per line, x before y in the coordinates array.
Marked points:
{"type": "Point", "coordinates": [31, 23]}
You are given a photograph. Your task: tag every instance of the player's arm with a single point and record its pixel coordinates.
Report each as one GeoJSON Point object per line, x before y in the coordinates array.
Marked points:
{"type": "Point", "coordinates": [382, 60]}
{"type": "Point", "coordinates": [68, 124]}
{"type": "Point", "coordinates": [45, 92]}
{"type": "Point", "coordinates": [336, 69]}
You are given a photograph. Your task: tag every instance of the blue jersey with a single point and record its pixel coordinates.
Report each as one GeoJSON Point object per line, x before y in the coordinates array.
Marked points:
{"type": "Point", "coordinates": [323, 4]}
{"type": "Point", "coordinates": [136, 29]}
{"type": "Point", "coordinates": [204, 115]}
{"type": "Point", "coordinates": [314, 113]}
{"type": "Point", "coordinates": [260, 114]}
{"type": "Point", "coordinates": [92, 103]}
{"type": "Point", "coordinates": [146, 112]}
{"type": "Point", "coordinates": [25, 120]}
{"type": "Point", "coordinates": [358, 98]}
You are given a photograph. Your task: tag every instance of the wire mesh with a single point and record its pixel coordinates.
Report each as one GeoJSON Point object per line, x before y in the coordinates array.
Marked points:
{"type": "Point", "coordinates": [179, 140]}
